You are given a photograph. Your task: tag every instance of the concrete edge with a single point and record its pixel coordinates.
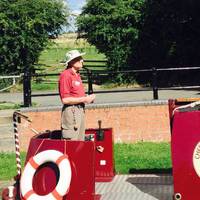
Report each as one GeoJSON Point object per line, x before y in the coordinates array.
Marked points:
{"type": "Point", "coordinates": [100, 105]}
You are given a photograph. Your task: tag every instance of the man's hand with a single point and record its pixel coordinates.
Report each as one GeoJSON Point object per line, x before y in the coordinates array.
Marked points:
{"type": "Point", "coordinates": [90, 98]}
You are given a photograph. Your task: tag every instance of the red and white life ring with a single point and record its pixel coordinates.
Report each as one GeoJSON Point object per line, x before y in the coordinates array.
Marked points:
{"type": "Point", "coordinates": [34, 162]}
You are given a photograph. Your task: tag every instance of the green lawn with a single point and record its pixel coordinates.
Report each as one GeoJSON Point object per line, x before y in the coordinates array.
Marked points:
{"type": "Point", "coordinates": [8, 165]}
{"type": "Point", "coordinates": [9, 105]}
{"type": "Point", "coordinates": [52, 60]}
{"type": "Point", "coordinates": [53, 56]}
{"type": "Point", "coordinates": [129, 158]}
{"type": "Point", "coordinates": [142, 157]}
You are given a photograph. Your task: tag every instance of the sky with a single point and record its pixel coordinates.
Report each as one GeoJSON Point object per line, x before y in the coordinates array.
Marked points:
{"type": "Point", "coordinates": [75, 5]}
{"type": "Point", "coordinates": [75, 8]}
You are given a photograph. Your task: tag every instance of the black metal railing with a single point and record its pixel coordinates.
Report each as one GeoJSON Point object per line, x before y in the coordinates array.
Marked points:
{"type": "Point", "coordinates": [90, 74]}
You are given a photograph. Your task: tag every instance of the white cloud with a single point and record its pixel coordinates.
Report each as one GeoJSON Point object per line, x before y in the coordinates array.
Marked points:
{"type": "Point", "coordinates": [75, 7]}
{"type": "Point", "coordinates": [76, 12]}
{"type": "Point", "coordinates": [75, 4]}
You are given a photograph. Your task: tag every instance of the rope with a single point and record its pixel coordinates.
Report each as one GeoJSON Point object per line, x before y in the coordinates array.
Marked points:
{"type": "Point", "coordinates": [191, 105]}
{"type": "Point", "coordinates": [17, 114]}
{"type": "Point", "coordinates": [17, 148]}
{"type": "Point", "coordinates": [39, 147]}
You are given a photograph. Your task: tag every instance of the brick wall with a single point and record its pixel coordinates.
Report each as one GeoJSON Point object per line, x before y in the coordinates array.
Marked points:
{"type": "Point", "coordinates": [131, 122]}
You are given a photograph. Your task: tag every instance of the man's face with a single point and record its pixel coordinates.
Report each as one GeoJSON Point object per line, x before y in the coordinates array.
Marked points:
{"type": "Point", "coordinates": [77, 63]}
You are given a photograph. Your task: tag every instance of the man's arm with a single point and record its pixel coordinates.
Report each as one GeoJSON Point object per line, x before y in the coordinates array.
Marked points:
{"type": "Point", "coordinates": [77, 100]}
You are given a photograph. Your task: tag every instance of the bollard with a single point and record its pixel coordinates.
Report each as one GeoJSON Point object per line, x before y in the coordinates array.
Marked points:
{"type": "Point", "coordinates": [11, 191]}
{"type": "Point", "coordinates": [154, 83]}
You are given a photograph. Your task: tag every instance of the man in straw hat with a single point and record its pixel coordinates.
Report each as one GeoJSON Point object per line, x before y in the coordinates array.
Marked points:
{"type": "Point", "coordinates": [73, 97]}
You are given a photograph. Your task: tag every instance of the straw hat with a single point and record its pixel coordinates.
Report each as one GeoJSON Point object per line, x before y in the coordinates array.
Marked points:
{"type": "Point", "coordinates": [71, 55]}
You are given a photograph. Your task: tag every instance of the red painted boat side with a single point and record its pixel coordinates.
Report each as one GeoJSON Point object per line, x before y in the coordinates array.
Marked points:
{"type": "Point", "coordinates": [104, 161]}
{"type": "Point", "coordinates": [185, 137]}
{"type": "Point", "coordinates": [82, 159]}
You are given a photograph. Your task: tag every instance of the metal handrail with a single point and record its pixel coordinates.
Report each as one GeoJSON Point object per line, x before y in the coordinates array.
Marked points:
{"type": "Point", "coordinates": [14, 77]}
{"type": "Point", "coordinates": [90, 73]}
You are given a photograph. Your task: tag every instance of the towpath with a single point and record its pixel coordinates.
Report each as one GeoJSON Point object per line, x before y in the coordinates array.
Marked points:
{"type": "Point", "coordinates": [136, 95]}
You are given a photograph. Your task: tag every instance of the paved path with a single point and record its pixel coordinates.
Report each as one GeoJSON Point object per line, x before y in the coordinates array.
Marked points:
{"type": "Point", "coordinates": [6, 131]}
{"type": "Point", "coordinates": [132, 187]}
{"type": "Point", "coordinates": [137, 187]}
{"type": "Point", "coordinates": [105, 97]}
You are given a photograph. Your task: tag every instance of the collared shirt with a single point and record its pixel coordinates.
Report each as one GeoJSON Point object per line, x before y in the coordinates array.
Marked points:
{"type": "Point", "coordinates": [70, 84]}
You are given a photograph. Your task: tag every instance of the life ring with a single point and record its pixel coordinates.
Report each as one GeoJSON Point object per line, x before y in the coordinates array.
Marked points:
{"type": "Point", "coordinates": [34, 162]}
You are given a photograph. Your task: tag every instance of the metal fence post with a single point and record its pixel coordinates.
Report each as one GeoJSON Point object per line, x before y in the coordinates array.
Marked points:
{"type": "Point", "coordinates": [27, 87]}
{"type": "Point", "coordinates": [90, 88]}
{"type": "Point", "coordinates": [154, 83]}
{"type": "Point", "coordinates": [89, 76]}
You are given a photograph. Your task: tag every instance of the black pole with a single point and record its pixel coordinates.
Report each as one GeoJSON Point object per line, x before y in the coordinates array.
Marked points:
{"type": "Point", "coordinates": [27, 88]}
{"type": "Point", "coordinates": [89, 75]}
{"type": "Point", "coordinates": [154, 83]}
{"type": "Point", "coordinates": [26, 81]}
{"type": "Point", "coordinates": [90, 88]}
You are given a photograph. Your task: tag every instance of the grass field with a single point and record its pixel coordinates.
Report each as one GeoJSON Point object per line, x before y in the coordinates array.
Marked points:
{"type": "Point", "coordinates": [51, 59]}
{"type": "Point", "coordinates": [129, 158]}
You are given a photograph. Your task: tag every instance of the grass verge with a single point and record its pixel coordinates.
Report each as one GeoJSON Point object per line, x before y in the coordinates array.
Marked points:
{"type": "Point", "coordinates": [129, 158]}
{"type": "Point", "coordinates": [145, 157]}
{"type": "Point", "coordinates": [9, 105]}
{"type": "Point", "coordinates": [8, 165]}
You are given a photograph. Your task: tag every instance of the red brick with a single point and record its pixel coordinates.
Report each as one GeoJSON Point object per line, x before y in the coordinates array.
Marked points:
{"type": "Point", "coordinates": [130, 124]}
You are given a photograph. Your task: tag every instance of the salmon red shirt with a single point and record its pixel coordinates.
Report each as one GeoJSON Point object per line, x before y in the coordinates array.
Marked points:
{"type": "Point", "coordinates": [70, 84]}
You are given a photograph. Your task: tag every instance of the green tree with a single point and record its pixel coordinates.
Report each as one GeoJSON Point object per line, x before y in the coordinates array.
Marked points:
{"type": "Point", "coordinates": [113, 27]}
{"type": "Point", "coordinates": [169, 37]}
{"type": "Point", "coordinates": [144, 33]}
{"type": "Point", "coordinates": [25, 27]}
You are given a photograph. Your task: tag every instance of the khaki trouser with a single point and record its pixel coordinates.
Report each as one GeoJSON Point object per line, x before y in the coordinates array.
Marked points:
{"type": "Point", "coordinates": [73, 122]}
